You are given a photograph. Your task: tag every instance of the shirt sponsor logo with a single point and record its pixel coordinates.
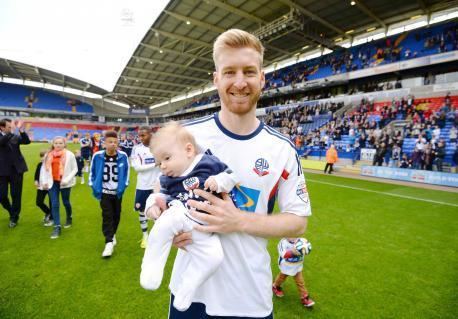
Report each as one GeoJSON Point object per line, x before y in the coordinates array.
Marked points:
{"type": "Point", "coordinates": [245, 198]}
{"type": "Point", "coordinates": [149, 160]}
{"type": "Point", "coordinates": [261, 167]}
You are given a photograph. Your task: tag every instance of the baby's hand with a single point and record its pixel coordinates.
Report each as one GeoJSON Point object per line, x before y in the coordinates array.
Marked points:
{"type": "Point", "coordinates": [153, 212]}
{"type": "Point", "coordinates": [211, 184]}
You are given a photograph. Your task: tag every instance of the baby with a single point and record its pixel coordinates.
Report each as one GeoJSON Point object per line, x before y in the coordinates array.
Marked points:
{"type": "Point", "coordinates": [183, 170]}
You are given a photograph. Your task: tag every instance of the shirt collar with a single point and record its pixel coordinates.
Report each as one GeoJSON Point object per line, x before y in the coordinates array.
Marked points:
{"type": "Point", "coordinates": [193, 164]}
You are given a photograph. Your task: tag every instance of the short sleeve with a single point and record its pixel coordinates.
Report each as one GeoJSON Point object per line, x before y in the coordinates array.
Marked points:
{"type": "Point", "coordinates": [293, 195]}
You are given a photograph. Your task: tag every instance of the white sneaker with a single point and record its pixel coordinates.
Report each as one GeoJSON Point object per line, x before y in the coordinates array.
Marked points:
{"type": "Point", "coordinates": [114, 240]}
{"type": "Point", "coordinates": [108, 251]}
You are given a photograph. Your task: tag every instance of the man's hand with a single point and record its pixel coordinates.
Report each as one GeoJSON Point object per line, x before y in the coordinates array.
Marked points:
{"type": "Point", "coordinates": [222, 217]}
{"type": "Point", "coordinates": [182, 240]}
{"type": "Point", "coordinates": [19, 124]}
{"type": "Point", "coordinates": [211, 184]}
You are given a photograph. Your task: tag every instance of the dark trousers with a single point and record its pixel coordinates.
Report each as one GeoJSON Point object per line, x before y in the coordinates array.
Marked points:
{"type": "Point", "coordinates": [55, 205]}
{"type": "Point", "coordinates": [40, 201]}
{"type": "Point", "coordinates": [111, 215]}
{"type": "Point", "coordinates": [15, 182]}
{"type": "Point", "coordinates": [197, 311]}
{"type": "Point", "coordinates": [439, 161]}
{"type": "Point", "coordinates": [330, 165]}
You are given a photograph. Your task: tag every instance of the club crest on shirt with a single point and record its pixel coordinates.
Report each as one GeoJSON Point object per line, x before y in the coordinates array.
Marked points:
{"type": "Point", "coordinates": [261, 167]}
{"type": "Point", "coordinates": [191, 183]}
{"type": "Point", "coordinates": [302, 192]}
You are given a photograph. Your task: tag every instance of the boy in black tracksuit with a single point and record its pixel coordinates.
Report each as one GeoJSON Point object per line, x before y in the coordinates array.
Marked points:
{"type": "Point", "coordinates": [41, 194]}
{"type": "Point", "coordinates": [80, 164]}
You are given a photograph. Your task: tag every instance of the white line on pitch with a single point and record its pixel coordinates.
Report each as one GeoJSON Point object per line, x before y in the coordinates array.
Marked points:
{"type": "Point", "coordinates": [384, 193]}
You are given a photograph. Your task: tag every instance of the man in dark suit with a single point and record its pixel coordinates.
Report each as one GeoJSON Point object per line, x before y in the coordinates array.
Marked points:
{"type": "Point", "coordinates": [12, 167]}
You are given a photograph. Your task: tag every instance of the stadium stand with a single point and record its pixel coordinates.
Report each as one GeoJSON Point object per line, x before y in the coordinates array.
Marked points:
{"type": "Point", "coordinates": [43, 131]}
{"type": "Point", "coordinates": [12, 95]}
{"type": "Point", "coordinates": [404, 46]}
{"type": "Point", "coordinates": [372, 121]}
{"type": "Point", "coordinates": [412, 44]}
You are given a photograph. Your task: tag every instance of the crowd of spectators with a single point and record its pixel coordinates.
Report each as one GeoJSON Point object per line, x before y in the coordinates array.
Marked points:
{"type": "Point", "coordinates": [425, 126]}
{"type": "Point", "coordinates": [374, 86]}
{"type": "Point", "coordinates": [367, 55]}
{"type": "Point", "coordinates": [291, 120]}
{"type": "Point", "coordinates": [364, 131]}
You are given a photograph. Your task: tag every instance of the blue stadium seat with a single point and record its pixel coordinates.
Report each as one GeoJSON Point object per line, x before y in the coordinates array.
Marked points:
{"type": "Point", "coordinates": [12, 95]}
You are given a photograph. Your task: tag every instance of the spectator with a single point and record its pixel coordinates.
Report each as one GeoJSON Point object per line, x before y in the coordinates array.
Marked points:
{"type": "Point", "coordinates": [331, 159]}
{"type": "Point", "coordinates": [440, 155]}
{"type": "Point", "coordinates": [395, 156]}
{"type": "Point", "coordinates": [436, 133]}
{"type": "Point", "coordinates": [405, 162]}
{"type": "Point", "coordinates": [453, 134]}
{"type": "Point", "coordinates": [428, 158]}
{"type": "Point", "coordinates": [380, 152]}
{"type": "Point", "coordinates": [417, 158]}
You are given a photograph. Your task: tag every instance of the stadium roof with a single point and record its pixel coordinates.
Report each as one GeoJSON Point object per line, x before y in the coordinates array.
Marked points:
{"type": "Point", "coordinates": [175, 56]}
{"type": "Point", "coordinates": [25, 72]}
{"type": "Point", "coordinates": [57, 42]}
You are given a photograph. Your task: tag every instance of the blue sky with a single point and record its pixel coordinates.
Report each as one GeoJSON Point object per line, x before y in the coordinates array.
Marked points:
{"type": "Point", "coordinates": [91, 40]}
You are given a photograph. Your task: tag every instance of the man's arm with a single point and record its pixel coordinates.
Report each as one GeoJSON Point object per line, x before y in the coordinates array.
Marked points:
{"type": "Point", "coordinates": [224, 217]}
{"type": "Point", "coordinates": [138, 164]}
{"type": "Point", "coordinates": [24, 138]}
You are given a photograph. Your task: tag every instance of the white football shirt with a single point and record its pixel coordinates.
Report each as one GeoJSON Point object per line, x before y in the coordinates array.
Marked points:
{"type": "Point", "coordinates": [289, 265]}
{"type": "Point", "coordinates": [267, 166]}
{"type": "Point", "coordinates": [144, 163]}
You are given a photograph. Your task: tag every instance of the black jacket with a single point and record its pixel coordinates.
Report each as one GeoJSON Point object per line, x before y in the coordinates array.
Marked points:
{"type": "Point", "coordinates": [11, 160]}
{"type": "Point", "coordinates": [37, 172]}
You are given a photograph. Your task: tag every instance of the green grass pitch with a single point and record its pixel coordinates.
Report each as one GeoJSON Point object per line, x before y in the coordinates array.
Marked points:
{"type": "Point", "coordinates": [374, 256]}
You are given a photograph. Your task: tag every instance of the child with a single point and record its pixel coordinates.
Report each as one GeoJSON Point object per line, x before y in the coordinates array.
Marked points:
{"type": "Point", "coordinates": [109, 177]}
{"type": "Point", "coordinates": [184, 170]}
{"type": "Point", "coordinates": [80, 164]}
{"type": "Point", "coordinates": [41, 194]}
{"type": "Point", "coordinates": [58, 176]}
{"type": "Point", "coordinates": [291, 253]}
{"type": "Point", "coordinates": [86, 150]}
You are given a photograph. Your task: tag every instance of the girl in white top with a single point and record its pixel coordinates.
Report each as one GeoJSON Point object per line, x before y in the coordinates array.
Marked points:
{"type": "Point", "coordinates": [58, 176]}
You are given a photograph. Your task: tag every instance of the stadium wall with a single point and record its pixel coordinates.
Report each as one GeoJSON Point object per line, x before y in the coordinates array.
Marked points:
{"type": "Point", "coordinates": [411, 175]}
